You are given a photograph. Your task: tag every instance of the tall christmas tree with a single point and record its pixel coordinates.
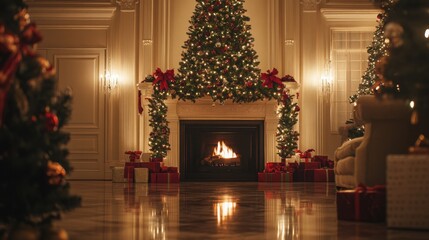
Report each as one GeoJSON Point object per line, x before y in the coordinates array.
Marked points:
{"type": "Point", "coordinates": [33, 153]}
{"type": "Point", "coordinates": [376, 50]}
{"type": "Point", "coordinates": [219, 60]}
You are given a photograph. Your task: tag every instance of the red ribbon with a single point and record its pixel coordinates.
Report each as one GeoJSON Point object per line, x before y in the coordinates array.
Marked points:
{"type": "Point", "coordinates": [163, 79]}
{"type": "Point", "coordinates": [362, 189]}
{"type": "Point", "coordinates": [270, 78]}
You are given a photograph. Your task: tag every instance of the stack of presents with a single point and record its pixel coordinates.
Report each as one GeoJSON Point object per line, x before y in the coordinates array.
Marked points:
{"type": "Point", "coordinates": [142, 168]}
{"type": "Point", "coordinates": [403, 202]}
{"type": "Point", "coordinates": [303, 167]}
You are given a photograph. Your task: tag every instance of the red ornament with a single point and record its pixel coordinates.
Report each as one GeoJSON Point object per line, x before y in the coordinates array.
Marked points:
{"type": "Point", "coordinates": [51, 121]}
{"type": "Point", "coordinates": [297, 108]}
{"type": "Point", "coordinates": [379, 17]}
{"type": "Point", "coordinates": [249, 84]}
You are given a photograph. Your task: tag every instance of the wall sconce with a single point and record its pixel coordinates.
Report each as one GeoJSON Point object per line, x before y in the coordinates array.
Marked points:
{"type": "Point", "coordinates": [326, 78]}
{"type": "Point", "coordinates": [110, 81]}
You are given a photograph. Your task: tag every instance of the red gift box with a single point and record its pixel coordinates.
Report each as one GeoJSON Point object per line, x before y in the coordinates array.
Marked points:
{"type": "Point", "coordinates": [275, 177]}
{"type": "Point", "coordinates": [299, 173]}
{"type": "Point", "coordinates": [164, 178]}
{"type": "Point", "coordinates": [156, 159]}
{"type": "Point", "coordinates": [153, 167]}
{"type": "Point", "coordinates": [362, 204]}
{"type": "Point", "coordinates": [319, 175]}
{"type": "Point", "coordinates": [309, 165]}
{"type": "Point", "coordinates": [272, 167]}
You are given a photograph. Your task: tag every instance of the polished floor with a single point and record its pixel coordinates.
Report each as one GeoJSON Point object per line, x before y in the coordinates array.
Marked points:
{"type": "Point", "coordinates": [215, 210]}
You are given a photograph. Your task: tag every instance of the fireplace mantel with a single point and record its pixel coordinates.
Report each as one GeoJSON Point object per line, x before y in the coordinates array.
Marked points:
{"type": "Point", "coordinates": [203, 109]}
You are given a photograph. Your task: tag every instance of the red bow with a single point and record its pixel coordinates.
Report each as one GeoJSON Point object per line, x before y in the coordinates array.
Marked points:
{"type": "Point", "coordinates": [270, 78]}
{"type": "Point", "coordinates": [163, 78]}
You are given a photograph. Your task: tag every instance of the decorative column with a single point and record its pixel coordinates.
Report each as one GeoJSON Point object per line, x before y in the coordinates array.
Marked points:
{"type": "Point", "coordinates": [310, 129]}
{"type": "Point", "coordinates": [126, 60]}
{"type": "Point", "coordinates": [146, 67]}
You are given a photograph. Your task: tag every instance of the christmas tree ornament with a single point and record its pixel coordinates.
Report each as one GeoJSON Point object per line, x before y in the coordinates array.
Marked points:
{"type": "Point", "coordinates": [394, 31]}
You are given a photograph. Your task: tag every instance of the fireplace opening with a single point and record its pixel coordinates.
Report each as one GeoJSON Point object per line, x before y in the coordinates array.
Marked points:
{"type": "Point", "coordinates": [221, 150]}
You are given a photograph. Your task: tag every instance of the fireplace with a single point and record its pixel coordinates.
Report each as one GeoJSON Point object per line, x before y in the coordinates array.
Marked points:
{"type": "Point", "coordinates": [221, 150]}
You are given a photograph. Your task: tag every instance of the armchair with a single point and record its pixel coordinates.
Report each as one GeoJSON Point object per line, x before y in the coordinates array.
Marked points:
{"type": "Point", "coordinates": [387, 131]}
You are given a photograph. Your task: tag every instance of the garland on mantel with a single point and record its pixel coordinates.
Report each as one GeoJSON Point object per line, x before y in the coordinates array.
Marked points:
{"type": "Point", "coordinates": [273, 88]}
{"type": "Point", "coordinates": [219, 62]}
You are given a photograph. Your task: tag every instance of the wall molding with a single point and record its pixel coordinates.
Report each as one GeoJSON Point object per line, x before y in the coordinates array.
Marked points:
{"type": "Point", "coordinates": [350, 15]}
{"type": "Point", "coordinates": [72, 13]}
{"type": "Point", "coordinates": [127, 5]}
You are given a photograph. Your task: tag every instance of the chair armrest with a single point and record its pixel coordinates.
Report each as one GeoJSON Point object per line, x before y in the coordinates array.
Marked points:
{"type": "Point", "coordinates": [347, 149]}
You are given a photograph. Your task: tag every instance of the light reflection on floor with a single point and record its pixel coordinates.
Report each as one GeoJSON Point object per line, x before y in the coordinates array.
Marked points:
{"type": "Point", "coordinates": [191, 210]}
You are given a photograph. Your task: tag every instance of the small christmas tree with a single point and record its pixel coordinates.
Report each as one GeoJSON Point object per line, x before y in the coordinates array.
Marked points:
{"type": "Point", "coordinates": [33, 152]}
{"type": "Point", "coordinates": [286, 136]}
{"type": "Point", "coordinates": [219, 60]}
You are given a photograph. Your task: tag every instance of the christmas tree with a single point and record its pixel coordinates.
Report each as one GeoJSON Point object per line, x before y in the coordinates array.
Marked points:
{"type": "Point", "coordinates": [406, 68]}
{"type": "Point", "coordinates": [376, 50]}
{"type": "Point", "coordinates": [219, 60]}
{"type": "Point", "coordinates": [33, 153]}
{"type": "Point", "coordinates": [288, 116]}
{"type": "Point", "coordinates": [376, 55]}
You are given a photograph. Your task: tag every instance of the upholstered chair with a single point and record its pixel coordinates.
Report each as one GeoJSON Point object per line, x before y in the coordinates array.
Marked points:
{"type": "Point", "coordinates": [387, 131]}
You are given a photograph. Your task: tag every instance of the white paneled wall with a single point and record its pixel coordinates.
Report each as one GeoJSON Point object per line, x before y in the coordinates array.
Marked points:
{"type": "Point", "coordinates": [132, 37]}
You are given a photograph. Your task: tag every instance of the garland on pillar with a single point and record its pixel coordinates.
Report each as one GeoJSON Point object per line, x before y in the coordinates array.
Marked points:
{"type": "Point", "coordinates": [286, 136]}
{"type": "Point", "coordinates": [158, 138]}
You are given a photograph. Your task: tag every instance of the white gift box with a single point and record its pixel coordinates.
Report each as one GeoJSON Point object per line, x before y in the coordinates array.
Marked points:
{"type": "Point", "coordinates": [118, 175]}
{"type": "Point", "coordinates": [141, 175]}
{"type": "Point", "coordinates": [407, 191]}
{"type": "Point", "coordinates": [145, 157]}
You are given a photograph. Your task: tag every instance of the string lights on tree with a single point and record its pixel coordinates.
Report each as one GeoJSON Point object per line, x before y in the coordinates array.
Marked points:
{"type": "Point", "coordinates": [219, 61]}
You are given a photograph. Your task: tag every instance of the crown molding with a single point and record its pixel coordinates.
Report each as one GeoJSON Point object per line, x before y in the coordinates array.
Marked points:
{"type": "Point", "coordinates": [350, 15]}
{"type": "Point", "coordinates": [71, 11]}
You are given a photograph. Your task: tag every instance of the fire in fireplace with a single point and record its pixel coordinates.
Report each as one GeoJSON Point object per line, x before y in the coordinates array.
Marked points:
{"type": "Point", "coordinates": [219, 150]}
{"type": "Point", "coordinates": [222, 156]}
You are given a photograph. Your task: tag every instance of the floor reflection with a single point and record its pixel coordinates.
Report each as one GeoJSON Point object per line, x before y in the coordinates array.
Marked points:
{"type": "Point", "coordinates": [224, 209]}
{"type": "Point", "coordinates": [188, 210]}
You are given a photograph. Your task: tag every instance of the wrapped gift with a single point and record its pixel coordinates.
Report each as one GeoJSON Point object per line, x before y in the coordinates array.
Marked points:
{"type": "Point", "coordinates": [133, 155]}
{"type": "Point", "coordinates": [299, 173]}
{"type": "Point", "coordinates": [275, 177]}
{"type": "Point", "coordinates": [141, 175]}
{"type": "Point", "coordinates": [156, 159]}
{"type": "Point", "coordinates": [272, 167]}
{"type": "Point", "coordinates": [362, 204]}
{"type": "Point", "coordinates": [319, 175]}
{"type": "Point", "coordinates": [324, 161]}
{"type": "Point", "coordinates": [118, 175]}
{"type": "Point", "coordinates": [407, 180]}
{"type": "Point", "coordinates": [145, 157]}
{"type": "Point", "coordinates": [172, 170]}
{"type": "Point", "coordinates": [154, 167]}
{"type": "Point", "coordinates": [309, 165]}
{"type": "Point", "coordinates": [306, 155]}
{"type": "Point", "coordinates": [164, 178]}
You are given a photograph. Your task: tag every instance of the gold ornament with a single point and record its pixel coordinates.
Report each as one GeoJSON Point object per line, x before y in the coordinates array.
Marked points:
{"type": "Point", "coordinates": [55, 173]}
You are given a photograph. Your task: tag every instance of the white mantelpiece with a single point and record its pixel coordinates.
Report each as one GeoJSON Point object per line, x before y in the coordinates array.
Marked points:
{"type": "Point", "coordinates": [203, 109]}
